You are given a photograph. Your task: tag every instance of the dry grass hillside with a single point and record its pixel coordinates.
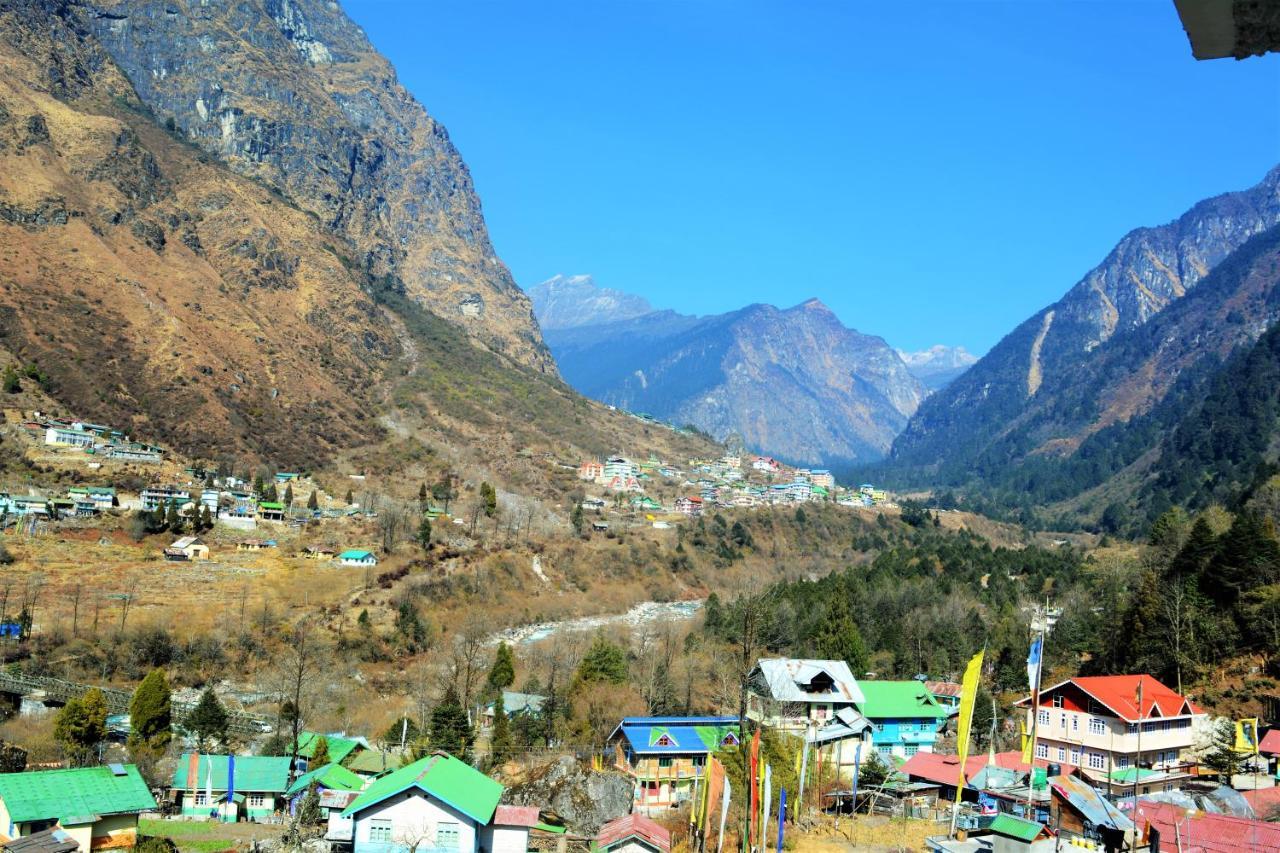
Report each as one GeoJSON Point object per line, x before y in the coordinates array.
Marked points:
{"type": "Point", "coordinates": [163, 293]}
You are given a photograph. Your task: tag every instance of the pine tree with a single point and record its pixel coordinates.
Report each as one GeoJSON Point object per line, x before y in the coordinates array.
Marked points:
{"type": "Point", "coordinates": [313, 502]}
{"type": "Point", "coordinates": [319, 753]}
{"type": "Point", "coordinates": [424, 533]}
{"type": "Point", "coordinates": [500, 744]}
{"type": "Point", "coordinates": [271, 495]}
{"type": "Point", "coordinates": [489, 498]}
{"type": "Point", "coordinates": [403, 729]}
{"type": "Point", "coordinates": [577, 520]}
{"type": "Point", "coordinates": [150, 712]}
{"type": "Point", "coordinates": [309, 808]}
{"type": "Point", "coordinates": [1221, 756]}
{"type": "Point", "coordinates": [12, 385]}
{"type": "Point", "coordinates": [839, 639]}
{"type": "Point", "coordinates": [172, 519]}
{"type": "Point", "coordinates": [350, 498]}
{"type": "Point", "coordinates": [603, 662]}
{"type": "Point", "coordinates": [422, 496]}
{"type": "Point", "coordinates": [288, 495]}
{"type": "Point", "coordinates": [450, 728]}
{"type": "Point", "coordinates": [81, 726]}
{"type": "Point", "coordinates": [207, 721]}
{"type": "Point", "coordinates": [503, 672]}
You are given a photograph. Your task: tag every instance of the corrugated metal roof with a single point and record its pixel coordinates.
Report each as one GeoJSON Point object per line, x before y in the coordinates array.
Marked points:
{"type": "Point", "coordinates": [655, 735]}
{"type": "Point", "coordinates": [1203, 832]}
{"type": "Point", "coordinates": [634, 826]}
{"type": "Point", "coordinates": [1086, 800]}
{"type": "Point", "coordinates": [331, 776]}
{"type": "Point", "coordinates": [1016, 827]}
{"type": "Point", "coordinates": [265, 773]}
{"type": "Point", "coordinates": [898, 700]}
{"type": "Point", "coordinates": [442, 776]}
{"type": "Point", "coordinates": [85, 792]}
{"type": "Point", "coordinates": [788, 680]}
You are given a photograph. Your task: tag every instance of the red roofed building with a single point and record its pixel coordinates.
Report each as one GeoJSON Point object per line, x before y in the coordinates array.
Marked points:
{"type": "Point", "coordinates": [942, 770]}
{"type": "Point", "coordinates": [1264, 801]}
{"type": "Point", "coordinates": [1201, 832]}
{"type": "Point", "coordinates": [690, 506]}
{"type": "Point", "coordinates": [633, 833]}
{"type": "Point", "coordinates": [1095, 724]}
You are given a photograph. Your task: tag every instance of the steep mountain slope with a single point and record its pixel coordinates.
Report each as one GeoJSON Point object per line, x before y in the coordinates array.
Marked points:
{"type": "Point", "coordinates": [564, 301]}
{"type": "Point", "coordinates": [1049, 384]}
{"type": "Point", "coordinates": [793, 383]}
{"type": "Point", "coordinates": [163, 292]}
{"type": "Point", "coordinates": [291, 92]}
{"type": "Point", "coordinates": [939, 365]}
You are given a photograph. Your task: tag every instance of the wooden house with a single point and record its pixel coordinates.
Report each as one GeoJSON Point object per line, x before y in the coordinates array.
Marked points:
{"type": "Point", "coordinates": [666, 755]}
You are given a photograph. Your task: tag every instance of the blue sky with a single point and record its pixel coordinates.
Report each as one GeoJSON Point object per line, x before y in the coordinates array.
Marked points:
{"type": "Point", "coordinates": [935, 172]}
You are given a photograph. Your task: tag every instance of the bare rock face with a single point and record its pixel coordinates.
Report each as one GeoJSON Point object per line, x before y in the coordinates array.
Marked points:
{"type": "Point", "coordinates": [585, 799]}
{"type": "Point", "coordinates": [1026, 396]}
{"type": "Point", "coordinates": [291, 92]}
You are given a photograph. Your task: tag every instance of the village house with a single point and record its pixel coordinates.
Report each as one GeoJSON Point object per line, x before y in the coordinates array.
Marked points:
{"type": "Point", "coordinates": [690, 506]}
{"type": "Point", "coordinates": [134, 452]}
{"type": "Point", "coordinates": [633, 833]}
{"type": "Point", "coordinates": [257, 784]}
{"type": "Point", "coordinates": [796, 696]}
{"type": "Point", "coordinates": [327, 777]}
{"type": "Point", "coordinates": [904, 717]}
{"type": "Point", "coordinates": [1078, 810]}
{"type": "Point", "coordinates": [73, 436]}
{"type": "Point", "coordinates": [251, 545]}
{"type": "Point", "coordinates": [160, 497]}
{"type": "Point", "coordinates": [620, 466]}
{"type": "Point", "coordinates": [435, 803]}
{"type": "Point", "coordinates": [822, 477]}
{"type": "Point", "coordinates": [187, 548]}
{"type": "Point", "coordinates": [357, 557]}
{"type": "Point", "coordinates": [318, 552]}
{"type": "Point", "coordinates": [665, 755]}
{"type": "Point", "coordinates": [765, 465]}
{"type": "Point", "coordinates": [270, 511]}
{"type": "Point", "coordinates": [99, 497]}
{"type": "Point", "coordinates": [97, 807]}
{"type": "Point", "coordinates": [1094, 722]}
{"type": "Point", "coordinates": [946, 694]}
{"type": "Point", "coordinates": [590, 471]}
{"type": "Point", "coordinates": [515, 705]}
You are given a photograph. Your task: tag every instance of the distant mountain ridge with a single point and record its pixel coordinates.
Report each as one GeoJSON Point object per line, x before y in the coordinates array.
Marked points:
{"type": "Point", "coordinates": [565, 301]}
{"type": "Point", "coordinates": [939, 365]}
{"type": "Point", "coordinates": [794, 383]}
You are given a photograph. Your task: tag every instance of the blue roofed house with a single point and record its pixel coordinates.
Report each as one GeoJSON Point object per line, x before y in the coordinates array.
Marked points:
{"type": "Point", "coordinates": [357, 557]}
{"type": "Point", "coordinates": [905, 717]}
{"type": "Point", "coordinates": [437, 803]}
{"type": "Point", "coordinates": [665, 755]}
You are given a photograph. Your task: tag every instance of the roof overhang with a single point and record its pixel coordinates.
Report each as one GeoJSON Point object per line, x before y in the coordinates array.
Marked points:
{"type": "Point", "coordinates": [1230, 28]}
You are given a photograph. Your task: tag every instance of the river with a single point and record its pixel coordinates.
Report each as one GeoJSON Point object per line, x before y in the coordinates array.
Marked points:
{"type": "Point", "coordinates": [643, 613]}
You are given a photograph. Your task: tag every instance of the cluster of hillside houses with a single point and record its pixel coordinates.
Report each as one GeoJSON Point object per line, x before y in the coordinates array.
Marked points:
{"type": "Point", "coordinates": [1114, 768]}
{"type": "Point", "coordinates": [102, 441]}
{"type": "Point", "coordinates": [730, 481]}
{"type": "Point", "coordinates": [370, 801]}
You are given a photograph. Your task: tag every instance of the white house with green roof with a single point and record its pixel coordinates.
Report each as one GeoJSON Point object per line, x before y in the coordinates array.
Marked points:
{"type": "Point", "coordinates": [437, 804]}
{"type": "Point", "coordinates": [357, 557]}
{"type": "Point", "coordinates": [96, 806]}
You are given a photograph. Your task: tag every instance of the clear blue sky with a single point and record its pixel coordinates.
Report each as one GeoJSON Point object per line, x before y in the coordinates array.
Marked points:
{"type": "Point", "coordinates": [935, 172]}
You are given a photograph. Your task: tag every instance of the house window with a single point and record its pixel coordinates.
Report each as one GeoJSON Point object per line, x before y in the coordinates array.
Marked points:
{"type": "Point", "coordinates": [200, 799]}
{"type": "Point", "coordinates": [729, 740]}
{"type": "Point", "coordinates": [1042, 750]}
{"type": "Point", "coordinates": [664, 741]}
{"type": "Point", "coordinates": [664, 762]}
{"type": "Point", "coordinates": [1043, 718]}
{"type": "Point", "coordinates": [1132, 728]}
{"type": "Point", "coordinates": [256, 801]}
{"type": "Point", "coordinates": [885, 749]}
{"type": "Point", "coordinates": [1097, 726]}
{"type": "Point", "coordinates": [447, 835]}
{"type": "Point", "coordinates": [1097, 761]}
{"type": "Point", "coordinates": [1062, 720]}
{"type": "Point", "coordinates": [911, 749]}
{"type": "Point", "coordinates": [380, 831]}
{"type": "Point", "coordinates": [1122, 761]}
{"type": "Point", "coordinates": [1075, 723]}
{"type": "Point", "coordinates": [1062, 753]}
{"type": "Point", "coordinates": [1057, 701]}
{"type": "Point", "coordinates": [699, 761]}
{"type": "Point", "coordinates": [1075, 757]}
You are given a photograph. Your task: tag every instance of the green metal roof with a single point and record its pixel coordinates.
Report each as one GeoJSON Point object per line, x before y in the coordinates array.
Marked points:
{"type": "Point", "coordinates": [270, 505]}
{"type": "Point", "coordinates": [265, 773]}
{"type": "Point", "coordinates": [1016, 827]}
{"type": "Point", "coordinates": [332, 776]}
{"type": "Point", "coordinates": [339, 747]}
{"type": "Point", "coordinates": [78, 795]}
{"type": "Point", "coordinates": [442, 776]}
{"type": "Point", "coordinates": [373, 762]}
{"type": "Point", "coordinates": [898, 699]}
{"type": "Point", "coordinates": [354, 554]}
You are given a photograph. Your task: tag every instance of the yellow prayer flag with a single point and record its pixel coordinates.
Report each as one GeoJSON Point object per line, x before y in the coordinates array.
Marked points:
{"type": "Point", "coordinates": [1247, 736]}
{"type": "Point", "coordinates": [968, 698]}
{"type": "Point", "coordinates": [1028, 745]}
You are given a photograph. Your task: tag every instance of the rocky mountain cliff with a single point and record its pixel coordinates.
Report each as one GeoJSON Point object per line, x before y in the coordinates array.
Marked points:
{"type": "Point", "coordinates": [793, 383]}
{"type": "Point", "coordinates": [162, 291]}
{"type": "Point", "coordinates": [939, 365]}
{"type": "Point", "coordinates": [564, 301]}
{"type": "Point", "coordinates": [291, 92]}
{"type": "Point", "coordinates": [1054, 381]}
